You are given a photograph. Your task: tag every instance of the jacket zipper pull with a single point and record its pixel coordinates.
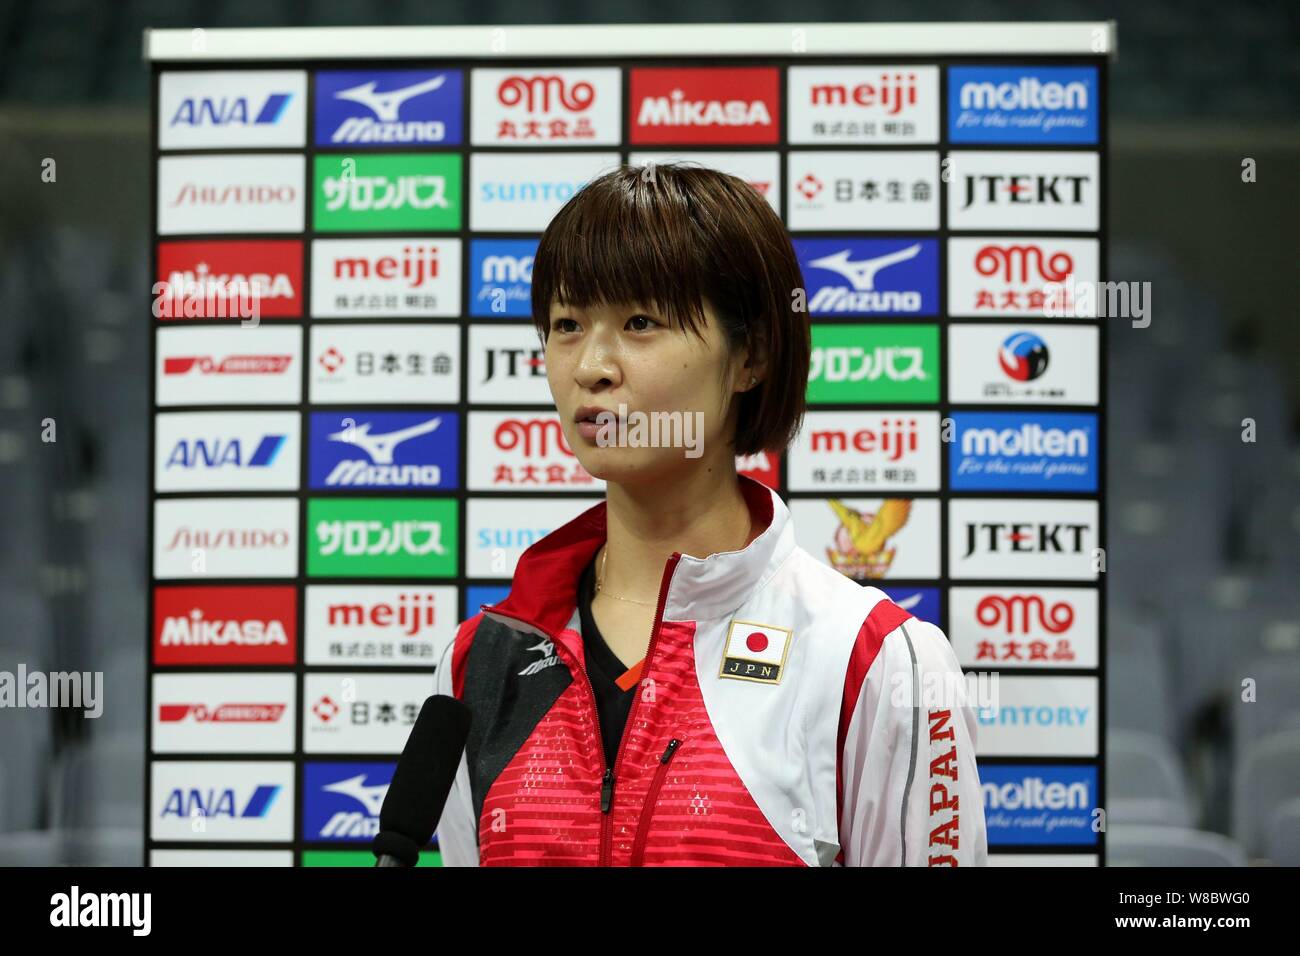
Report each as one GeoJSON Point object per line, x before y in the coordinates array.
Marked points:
{"type": "Point", "coordinates": [668, 753]}
{"type": "Point", "coordinates": [607, 790]}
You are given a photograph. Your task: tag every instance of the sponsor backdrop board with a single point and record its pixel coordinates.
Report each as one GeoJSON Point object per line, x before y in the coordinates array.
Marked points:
{"type": "Point", "coordinates": [336, 484]}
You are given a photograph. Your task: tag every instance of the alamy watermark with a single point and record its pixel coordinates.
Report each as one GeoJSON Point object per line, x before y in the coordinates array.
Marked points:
{"type": "Point", "coordinates": [651, 430]}
{"type": "Point", "coordinates": [37, 689]}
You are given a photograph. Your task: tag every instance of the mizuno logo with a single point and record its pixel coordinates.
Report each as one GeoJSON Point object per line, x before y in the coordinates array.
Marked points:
{"type": "Point", "coordinates": [386, 106]}
{"type": "Point", "coordinates": [862, 275]}
{"type": "Point", "coordinates": [547, 649]}
{"type": "Point", "coordinates": [371, 797]}
{"type": "Point", "coordinates": [380, 448]}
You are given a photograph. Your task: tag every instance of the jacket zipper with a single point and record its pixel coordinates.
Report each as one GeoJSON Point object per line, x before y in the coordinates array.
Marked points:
{"type": "Point", "coordinates": [611, 776]}
{"type": "Point", "coordinates": [643, 825]}
{"type": "Point", "coordinates": [608, 774]}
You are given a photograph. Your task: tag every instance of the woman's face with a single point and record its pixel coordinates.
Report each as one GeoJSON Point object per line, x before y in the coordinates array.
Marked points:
{"type": "Point", "coordinates": [606, 356]}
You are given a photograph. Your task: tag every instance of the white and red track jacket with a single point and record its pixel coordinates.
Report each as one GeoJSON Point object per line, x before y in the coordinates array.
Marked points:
{"type": "Point", "coordinates": [782, 720]}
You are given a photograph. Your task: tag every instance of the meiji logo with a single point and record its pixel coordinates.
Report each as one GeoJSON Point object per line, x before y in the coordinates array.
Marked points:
{"type": "Point", "coordinates": [410, 613]}
{"type": "Point", "coordinates": [892, 440]}
{"type": "Point", "coordinates": [228, 365]}
{"type": "Point", "coordinates": [411, 267]}
{"type": "Point", "coordinates": [548, 659]}
{"type": "Point", "coordinates": [230, 111]}
{"type": "Point", "coordinates": [718, 105]}
{"type": "Point", "coordinates": [407, 106]}
{"type": "Point", "coordinates": [222, 713]}
{"type": "Point", "coordinates": [892, 93]}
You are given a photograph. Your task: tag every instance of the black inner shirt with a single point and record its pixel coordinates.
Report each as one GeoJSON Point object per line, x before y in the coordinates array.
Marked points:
{"type": "Point", "coordinates": [604, 668]}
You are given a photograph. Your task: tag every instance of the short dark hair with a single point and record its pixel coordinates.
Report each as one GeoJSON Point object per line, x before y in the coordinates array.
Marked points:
{"type": "Point", "coordinates": [671, 236]}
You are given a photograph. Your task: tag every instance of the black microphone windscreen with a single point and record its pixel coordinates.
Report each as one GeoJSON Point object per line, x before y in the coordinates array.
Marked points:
{"type": "Point", "coordinates": [425, 771]}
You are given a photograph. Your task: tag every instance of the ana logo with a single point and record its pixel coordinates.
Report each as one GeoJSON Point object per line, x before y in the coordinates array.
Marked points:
{"type": "Point", "coordinates": [395, 107]}
{"type": "Point", "coordinates": [230, 111]}
{"type": "Point", "coordinates": [228, 453]}
{"type": "Point", "coordinates": [204, 109]}
{"type": "Point", "coordinates": [755, 652]}
{"type": "Point", "coordinates": [1023, 356]}
{"type": "Point", "coordinates": [548, 659]}
{"type": "Point", "coordinates": [219, 802]}
{"type": "Point", "coordinates": [861, 544]}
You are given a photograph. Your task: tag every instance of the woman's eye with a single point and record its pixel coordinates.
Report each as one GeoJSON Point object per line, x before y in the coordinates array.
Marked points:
{"type": "Point", "coordinates": [559, 325]}
{"type": "Point", "coordinates": [648, 323]}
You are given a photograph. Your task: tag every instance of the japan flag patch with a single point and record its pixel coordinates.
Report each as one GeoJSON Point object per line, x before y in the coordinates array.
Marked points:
{"type": "Point", "coordinates": [755, 652]}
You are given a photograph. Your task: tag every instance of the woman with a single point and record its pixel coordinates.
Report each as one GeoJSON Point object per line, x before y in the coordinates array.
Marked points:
{"type": "Point", "coordinates": [671, 680]}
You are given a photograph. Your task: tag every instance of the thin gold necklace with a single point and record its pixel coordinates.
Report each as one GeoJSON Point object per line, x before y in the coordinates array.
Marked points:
{"type": "Point", "coordinates": [601, 577]}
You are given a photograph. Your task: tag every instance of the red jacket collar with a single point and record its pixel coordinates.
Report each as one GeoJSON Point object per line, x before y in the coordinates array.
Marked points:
{"type": "Point", "coordinates": [544, 593]}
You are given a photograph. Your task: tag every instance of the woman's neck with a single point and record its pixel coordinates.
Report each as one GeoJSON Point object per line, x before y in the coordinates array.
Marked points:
{"type": "Point", "coordinates": [702, 514]}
